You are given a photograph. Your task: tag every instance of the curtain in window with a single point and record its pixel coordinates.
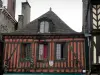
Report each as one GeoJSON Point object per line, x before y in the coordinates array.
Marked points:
{"type": "Point", "coordinates": [58, 51]}
{"type": "Point", "coordinates": [46, 27]}
{"type": "Point", "coordinates": [42, 27]}
{"type": "Point", "coordinates": [42, 51]}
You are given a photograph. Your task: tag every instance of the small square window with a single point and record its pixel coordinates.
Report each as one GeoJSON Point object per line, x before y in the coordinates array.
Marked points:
{"type": "Point", "coordinates": [44, 27]}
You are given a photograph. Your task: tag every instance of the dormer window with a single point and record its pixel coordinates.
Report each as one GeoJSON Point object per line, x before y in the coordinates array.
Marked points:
{"type": "Point", "coordinates": [44, 27]}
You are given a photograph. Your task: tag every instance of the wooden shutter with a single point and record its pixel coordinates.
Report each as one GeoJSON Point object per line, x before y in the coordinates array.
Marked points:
{"type": "Point", "coordinates": [37, 51]}
{"type": "Point", "coordinates": [54, 51]}
{"type": "Point", "coordinates": [65, 50]}
{"type": "Point", "coordinates": [45, 51]}
{"type": "Point", "coordinates": [48, 52]}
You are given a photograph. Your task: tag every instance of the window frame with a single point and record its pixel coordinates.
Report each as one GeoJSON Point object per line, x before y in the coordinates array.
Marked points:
{"type": "Point", "coordinates": [29, 52]}
{"type": "Point", "coordinates": [62, 56]}
{"type": "Point", "coordinates": [44, 26]}
{"type": "Point", "coordinates": [44, 43]}
{"type": "Point", "coordinates": [51, 24]}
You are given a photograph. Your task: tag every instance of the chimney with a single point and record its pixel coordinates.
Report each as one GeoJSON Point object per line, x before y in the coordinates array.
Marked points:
{"type": "Point", "coordinates": [26, 12]}
{"type": "Point", "coordinates": [11, 7]}
{"type": "Point", "coordinates": [85, 7]}
{"type": "Point", "coordinates": [1, 3]}
{"type": "Point", "coordinates": [20, 21]}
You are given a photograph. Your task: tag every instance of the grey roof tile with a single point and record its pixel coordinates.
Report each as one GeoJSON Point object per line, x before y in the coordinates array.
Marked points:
{"type": "Point", "coordinates": [60, 26]}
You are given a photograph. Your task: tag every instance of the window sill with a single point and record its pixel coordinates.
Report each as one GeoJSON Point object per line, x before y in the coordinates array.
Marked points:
{"type": "Point", "coordinates": [63, 59]}
{"type": "Point", "coordinates": [43, 32]}
{"type": "Point", "coordinates": [41, 61]}
{"type": "Point", "coordinates": [25, 60]}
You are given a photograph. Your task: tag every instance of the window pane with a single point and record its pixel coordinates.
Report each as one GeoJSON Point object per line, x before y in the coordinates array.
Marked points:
{"type": "Point", "coordinates": [28, 47]}
{"type": "Point", "coordinates": [41, 47]}
{"type": "Point", "coordinates": [94, 54]}
{"type": "Point", "coordinates": [58, 51]}
{"type": "Point", "coordinates": [42, 27]}
{"type": "Point", "coordinates": [26, 50]}
{"type": "Point", "coordinates": [99, 59]}
{"type": "Point", "coordinates": [94, 50]}
{"type": "Point", "coordinates": [46, 27]}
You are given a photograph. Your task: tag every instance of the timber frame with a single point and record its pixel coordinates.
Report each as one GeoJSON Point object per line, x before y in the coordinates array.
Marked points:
{"type": "Point", "coordinates": [39, 37]}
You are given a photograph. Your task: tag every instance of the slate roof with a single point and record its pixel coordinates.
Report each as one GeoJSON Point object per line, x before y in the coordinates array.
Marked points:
{"type": "Point", "coordinates": [60, 26]}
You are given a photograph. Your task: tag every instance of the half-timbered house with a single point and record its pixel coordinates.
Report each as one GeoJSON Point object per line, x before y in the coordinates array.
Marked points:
{"type": "Point", "coordinates": [91, 28]}
{"type": "Point", "coordinates": [45, 45]}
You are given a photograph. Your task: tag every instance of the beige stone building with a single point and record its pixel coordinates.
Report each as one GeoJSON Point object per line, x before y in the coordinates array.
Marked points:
{"type": "Point", "coordinates": [7, 20]}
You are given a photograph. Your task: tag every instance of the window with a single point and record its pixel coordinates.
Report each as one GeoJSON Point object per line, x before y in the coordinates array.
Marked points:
{"type": "Point", "coordinates": [44, 27]}
{"type": "Point", "coordinates": [59, 51]}
{"type": "Point", "coordinates": [25, 50]}
{"type": "Point", "coordinates": [94, 50]}
{"type": "Point", "coordinates": [43, 48]}
{"type": "Point", "coordinates": [99, 59]}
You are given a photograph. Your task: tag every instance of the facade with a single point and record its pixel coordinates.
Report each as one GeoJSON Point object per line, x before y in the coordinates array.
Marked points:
{"type": "Point", "coordinates": [91, 28]}
{"type": "Point", "coordinates": [45, 45]}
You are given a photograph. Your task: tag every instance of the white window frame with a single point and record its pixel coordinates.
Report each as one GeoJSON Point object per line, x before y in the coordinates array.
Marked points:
{"type": "Point", "coordinates": [58, 51]}
{"type": "Point", "coordinates": [44, 27]}
{"type": "Point", "coordinates": [41, 48]}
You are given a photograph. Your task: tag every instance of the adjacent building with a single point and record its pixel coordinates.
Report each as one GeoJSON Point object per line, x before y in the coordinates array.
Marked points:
{"type": "Point", "coordinates": [7, 20]}
{"type": "Point", "coordinates": [7, 24]}
{"type": "Point", "coordinates": [91, 28]}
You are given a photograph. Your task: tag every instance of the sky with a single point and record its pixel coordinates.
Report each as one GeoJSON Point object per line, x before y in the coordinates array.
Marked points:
{"type": "Point", "coordinates": [70, 11]}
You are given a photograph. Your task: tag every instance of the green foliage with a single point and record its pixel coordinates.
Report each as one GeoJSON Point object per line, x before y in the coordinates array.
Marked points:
{"type": "Point", "coordinates": [26, 59]}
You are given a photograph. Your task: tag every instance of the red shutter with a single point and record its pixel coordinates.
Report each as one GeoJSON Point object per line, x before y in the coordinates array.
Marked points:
{"type": "Point", "coordinates": [45, 52]}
